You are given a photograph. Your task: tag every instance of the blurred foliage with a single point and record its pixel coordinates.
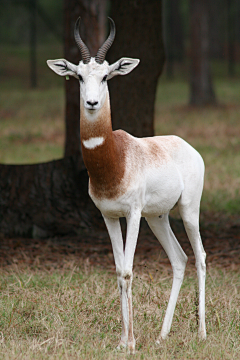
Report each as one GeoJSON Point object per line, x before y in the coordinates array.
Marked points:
{"type": "Point", "coordinates": [224, 26]}
{"type": "Point", "coordinates": [15, 20]}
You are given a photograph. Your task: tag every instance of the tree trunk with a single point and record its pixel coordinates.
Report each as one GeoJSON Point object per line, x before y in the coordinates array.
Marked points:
{"type": "Point", "coordinates": [139, 35]}
{"type": "Point", "coordinates": [231, 11]}
{"type": "Point", "coordinates": [93, 17]}
{"type": "Point", "coordinates": [217, 30]}
{"type": "Point", "coordinates": [45, 199]}
{"type": "Point", "coordinates": [173, 34]}
{"type": "Point", "coordinates": [201, 83]}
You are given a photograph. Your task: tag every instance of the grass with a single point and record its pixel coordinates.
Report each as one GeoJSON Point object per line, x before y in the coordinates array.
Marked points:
{"type": "Point", "coordinates": [31, 126]}
{"type": "Point", "coordinates": [73, 312]}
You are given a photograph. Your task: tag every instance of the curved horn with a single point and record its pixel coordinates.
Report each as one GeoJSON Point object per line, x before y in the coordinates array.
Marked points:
{"type": "Point", "coordinates": [86, 57]}
{"type": "Point", "coordinates": [107, 44]}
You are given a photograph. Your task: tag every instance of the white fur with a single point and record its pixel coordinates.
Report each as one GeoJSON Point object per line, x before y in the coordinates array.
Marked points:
{"type": "Point", "coordinates": [160, 172]}
{"type": "Point", "coordinates": [92, 143]}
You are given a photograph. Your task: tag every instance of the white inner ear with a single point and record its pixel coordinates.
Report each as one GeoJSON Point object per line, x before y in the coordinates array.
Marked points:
{"type": "Point", "coordinates": [122, 67]}
{"type": "Point", "coordinates": [63, 67]}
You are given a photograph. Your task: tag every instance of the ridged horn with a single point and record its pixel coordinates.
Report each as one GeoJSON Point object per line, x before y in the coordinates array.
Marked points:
{"type": "Point", "coordinates": [86, 57]}
{"type": "Point", "coordinates": [100, 57]}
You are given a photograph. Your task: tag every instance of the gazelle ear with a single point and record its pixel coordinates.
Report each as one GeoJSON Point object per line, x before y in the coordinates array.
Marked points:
{"type": "Point", "coordinates": [63, 67]}
{"type": "Point", "coordinates": [122, 67]}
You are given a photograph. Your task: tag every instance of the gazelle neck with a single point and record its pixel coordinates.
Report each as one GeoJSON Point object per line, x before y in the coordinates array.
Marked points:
{"type": "Point", "coordinates": [95, 123]}
{"type": "Point", "coordinates": [101, 150]}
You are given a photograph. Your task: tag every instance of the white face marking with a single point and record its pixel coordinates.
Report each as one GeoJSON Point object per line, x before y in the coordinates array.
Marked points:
{"type": "Point", "coordinates": [93, 78]}
{"type": "Point", "coordinates": [93, 84]}
{"type": "Point", "coordinates": [92, 143]}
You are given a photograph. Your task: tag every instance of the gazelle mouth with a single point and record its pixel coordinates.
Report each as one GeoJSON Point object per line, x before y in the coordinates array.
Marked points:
{"type": "Point", "coordinates": [91, 110]}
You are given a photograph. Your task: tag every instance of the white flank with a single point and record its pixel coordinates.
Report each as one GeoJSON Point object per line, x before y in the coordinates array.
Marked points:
{"type": "Point", "coordinates": [92, 143]}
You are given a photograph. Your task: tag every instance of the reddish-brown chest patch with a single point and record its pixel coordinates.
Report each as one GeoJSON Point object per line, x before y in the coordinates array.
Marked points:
{"type": "Point", "coordinates": [105, 163]}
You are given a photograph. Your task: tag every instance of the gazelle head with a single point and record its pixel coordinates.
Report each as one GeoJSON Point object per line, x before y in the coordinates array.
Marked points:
{"type": "Point", "coordinates": [93, 73]}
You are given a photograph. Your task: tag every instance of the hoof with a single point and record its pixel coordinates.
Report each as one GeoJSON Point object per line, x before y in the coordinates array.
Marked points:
{"type": "Point", "coordinates": [131, 347]}
{"type": "Point", "coordinates": [122, 345]}
{"type": "Point", "coordinates": [131, 350]}
{"type": "Point", "coordinates": [161, 338]}
{"type": "Point", "coordinates": [158, 341]}
{"type": "Point", "coordinates": [202, 335]}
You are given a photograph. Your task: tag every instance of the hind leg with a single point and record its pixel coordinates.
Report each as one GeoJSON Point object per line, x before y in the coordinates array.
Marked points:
{"type": "Point", "coordinates": [162, 230]}
{"type": "Point", "coordinates": [190, 216]}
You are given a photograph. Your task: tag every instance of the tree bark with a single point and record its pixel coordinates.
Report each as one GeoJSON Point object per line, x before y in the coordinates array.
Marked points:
{"type": "Point", "coordinates": [138, 35]}
{"type": "Point", "coordinates": [93, 18]}
{"type": "Point", "coordinates": [45, 199]}
{"type": "Point", "coordinates": [201, 87]}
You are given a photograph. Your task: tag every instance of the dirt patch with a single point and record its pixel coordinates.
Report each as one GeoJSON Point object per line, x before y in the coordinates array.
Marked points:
{"type": "Point", "coordinates": [221, 242]}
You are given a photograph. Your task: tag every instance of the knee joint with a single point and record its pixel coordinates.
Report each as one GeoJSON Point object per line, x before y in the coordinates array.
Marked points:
{"type": "Point", "coordinates": [124, 281]}
{"type": "Point", "coordinates": [200, 265]}
{"type": "Point", "coordinates": [178, 272]}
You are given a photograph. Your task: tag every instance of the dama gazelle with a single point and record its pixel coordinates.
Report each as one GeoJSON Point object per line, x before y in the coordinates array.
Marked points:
{"type": "Point", "coordinates": [131, 177]}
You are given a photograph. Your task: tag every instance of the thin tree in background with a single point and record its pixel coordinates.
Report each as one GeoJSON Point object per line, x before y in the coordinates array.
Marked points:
{"type": "Point", "coordinates": [201, 87]}
{"type": "Point", "coordinates": [231, 27]}
{"type": "Point", "coordinates": [33, 43]}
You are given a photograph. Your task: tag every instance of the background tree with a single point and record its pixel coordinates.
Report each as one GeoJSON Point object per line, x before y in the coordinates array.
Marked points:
{"type": "Point", "coordinates": [201, 87]}
{"type": "Point", "coordinates": [45, 199]}
{"type": "Point", "coordinates": [231, 25]}
{"type": "Point", "coordinates": [173, 34]}
{"type": "Point", "coordinates": [139, 35]}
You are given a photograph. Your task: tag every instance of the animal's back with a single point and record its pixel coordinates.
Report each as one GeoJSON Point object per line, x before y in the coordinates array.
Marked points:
{"type": "Point", "coordinates": [160, 151]}
{"type": "Point", "coordinates": [157, 170]}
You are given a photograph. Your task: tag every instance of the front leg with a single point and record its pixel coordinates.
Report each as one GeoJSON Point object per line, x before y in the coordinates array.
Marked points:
{"type": "Point", "coordinates": [115, 233]}
{"type": "Point", "coordinates": [124, 266]}
{"type": "Point", "coordinates": [133, 222]}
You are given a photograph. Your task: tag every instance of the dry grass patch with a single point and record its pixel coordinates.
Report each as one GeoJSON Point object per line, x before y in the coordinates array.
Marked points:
{"type": "Point", "coordinates": [73, 312]}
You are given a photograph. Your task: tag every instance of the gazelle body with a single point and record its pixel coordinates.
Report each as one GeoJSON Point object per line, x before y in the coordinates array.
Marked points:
{"type": "Point", "coordinates": [133, 178]}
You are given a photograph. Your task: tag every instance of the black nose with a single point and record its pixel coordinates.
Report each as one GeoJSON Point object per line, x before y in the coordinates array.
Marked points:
{"type": "Point", "coordinates": [92, 103]}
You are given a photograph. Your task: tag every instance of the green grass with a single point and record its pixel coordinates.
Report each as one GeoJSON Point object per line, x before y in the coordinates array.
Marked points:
{"type": "Point", "coordinates": [73, 312]}
{"type": "Point", "coordinates": [31, 125]}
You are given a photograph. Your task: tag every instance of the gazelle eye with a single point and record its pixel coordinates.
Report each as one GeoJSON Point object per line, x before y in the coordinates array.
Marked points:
{"type": "Point", "coordinates": [80, 78]}
{"type": "Point", "coordinates": [104, 79]}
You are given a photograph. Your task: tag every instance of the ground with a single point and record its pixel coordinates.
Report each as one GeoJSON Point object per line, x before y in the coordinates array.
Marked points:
{"type": "Point", "coordinates": [221, 241]}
